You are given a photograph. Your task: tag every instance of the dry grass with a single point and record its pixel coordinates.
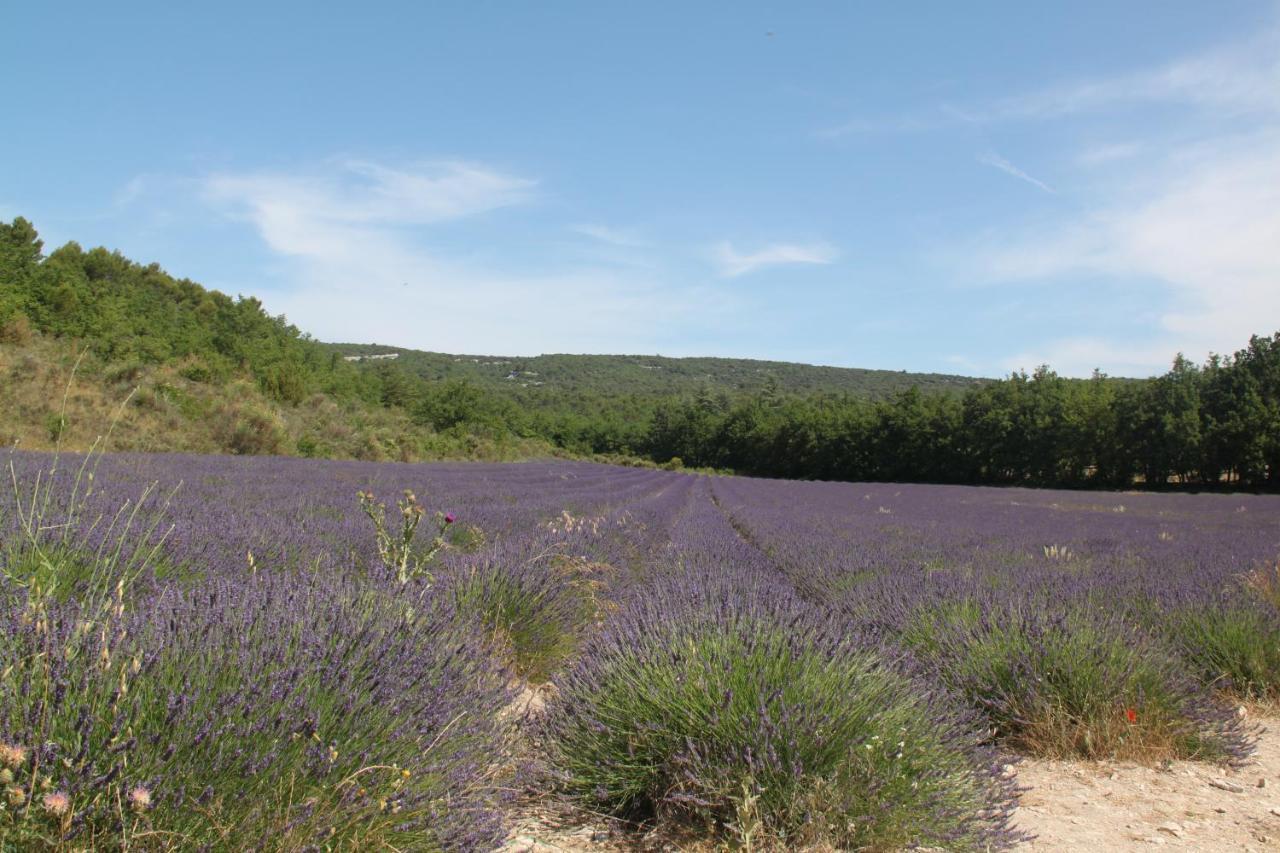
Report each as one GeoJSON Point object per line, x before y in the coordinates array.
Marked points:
{"type": "Point", "coordinates": [1058, 735]}
{"type": "Point", "coordinates": [171, 413]}
{"type": "Point", "coordinates": [1265, 582]}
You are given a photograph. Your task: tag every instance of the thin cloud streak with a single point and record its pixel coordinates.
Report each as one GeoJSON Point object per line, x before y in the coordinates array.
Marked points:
{"type": "Point", "coordinates": [1242, 78]}
{"type": "Point", "coordinates": [622, 237]}
{"type": "Point", "coordinates": [1237, 80]}
{"type": "Point", "coordinates": [732, 263]}
{"type": "Point", "coordinates": [1102, 155]}
{"type": "Point", "coordinates": [997, 162]}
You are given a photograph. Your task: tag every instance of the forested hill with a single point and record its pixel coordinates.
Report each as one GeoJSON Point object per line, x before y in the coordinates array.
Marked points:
{"type": "Point", "coordinates": [203, 371]}
{"type": "Point", "coordinates": [654, 375]}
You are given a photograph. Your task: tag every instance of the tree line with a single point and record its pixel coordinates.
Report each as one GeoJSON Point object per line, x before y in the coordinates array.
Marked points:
{"type": "Point", "coordinates": [1196, 425]}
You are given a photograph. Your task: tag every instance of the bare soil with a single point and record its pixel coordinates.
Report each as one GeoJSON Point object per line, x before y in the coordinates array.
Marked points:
{"type": "Point", "coordinates": [1117, 807]}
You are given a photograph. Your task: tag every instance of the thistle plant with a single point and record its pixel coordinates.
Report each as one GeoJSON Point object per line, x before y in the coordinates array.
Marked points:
{"type": "Point", "coordinates": [395, 547]}
{"type": "Point", "coordinates": [67, 658]}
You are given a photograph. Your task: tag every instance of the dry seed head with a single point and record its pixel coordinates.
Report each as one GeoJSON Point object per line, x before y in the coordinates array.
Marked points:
{"type": "Point", "coordinates": [12, 755]}
{"type": "Point", "coordinates": [140, 799]}
{"type": "Point", "coordinates": [56, 803]}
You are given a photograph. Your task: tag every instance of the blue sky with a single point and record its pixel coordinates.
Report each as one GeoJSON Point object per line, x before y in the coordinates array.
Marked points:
{"type": "Point", "coordinates": [968, 188]}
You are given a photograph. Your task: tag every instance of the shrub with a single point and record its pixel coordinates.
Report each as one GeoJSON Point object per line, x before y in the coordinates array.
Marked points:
{"type": "Point", "coordinates": [250, 430]}
{"type": "Point", "coordinates": [768, 724]}
{"type": "Point", "coordinates": [265, 712]}
{"type": "Point", "coordinates": [308, 446]}
{"type": "Point", "coordinates": [537, 611]}
{"type": "Point", "coordinates": [1233, 646]}
{"type": "Point", "coordinates": [16, 329]}
{"type": "Point", "coordinates": [258, 711]}
{"type": "Point", "coordinates": [196, 371]}
{"type": "Point", "coordinates": [55, 424]}
{"type": "Point", "coordinates": [1071, 685]}
{"type": "Point", "coordinates": [126, 373]}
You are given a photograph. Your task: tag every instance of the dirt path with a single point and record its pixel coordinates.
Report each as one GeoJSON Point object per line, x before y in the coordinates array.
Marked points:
{"type": "Point", "coordinates": [1069, 807]}
{"type": "Point", "coordinates": [1116, 807]}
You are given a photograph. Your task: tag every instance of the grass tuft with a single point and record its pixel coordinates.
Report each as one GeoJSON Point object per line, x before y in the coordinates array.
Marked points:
{"type": "Point", "coordinates": [1231, 647]}
{"type": "Point", "coordinates": [1072, 686]}
{"type": "Point", "coordinates": [537, 612]}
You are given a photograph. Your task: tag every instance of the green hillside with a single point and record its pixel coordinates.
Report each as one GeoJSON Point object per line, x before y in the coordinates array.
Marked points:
{"type": "Point", "coordinates": [653, 375]}
{"type": "Point", "coordinates": [204, 371]}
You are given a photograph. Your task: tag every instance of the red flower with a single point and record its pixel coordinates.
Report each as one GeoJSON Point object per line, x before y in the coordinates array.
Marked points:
{"type": "Point", "coordinates": [1131, 715]}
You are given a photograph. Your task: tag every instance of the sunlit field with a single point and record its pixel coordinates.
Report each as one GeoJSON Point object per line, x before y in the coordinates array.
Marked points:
{"type": "Point", "coordinates": [238, 653]}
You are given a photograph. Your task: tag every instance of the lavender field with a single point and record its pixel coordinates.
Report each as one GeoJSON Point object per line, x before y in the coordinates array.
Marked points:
{"type": "Point", "coordinates": [232, 663]}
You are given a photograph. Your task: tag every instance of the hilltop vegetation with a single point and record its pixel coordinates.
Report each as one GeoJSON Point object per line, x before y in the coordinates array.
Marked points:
{"type": "Point", "coordinates": [538, 379]}
{"type": "Point", "coordinates": [217, 373]}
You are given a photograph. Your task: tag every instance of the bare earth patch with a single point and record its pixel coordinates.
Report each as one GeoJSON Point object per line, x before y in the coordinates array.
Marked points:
{"type": "Point", "coordinates": [1114, 807]}
{"type": "Point", "coordinates": [1071, 806]}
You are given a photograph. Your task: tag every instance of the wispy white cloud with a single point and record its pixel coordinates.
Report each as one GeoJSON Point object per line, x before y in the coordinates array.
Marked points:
{"type": "Point", "coordinates": [1193, 218]}
{"type": "Point", "coordinates": [1111, 152]}
{"type": "Point", "coordinates": [995, 161]}
{"type": "Point", "coordinates": [870, 126]}
{"type": "Point", "coordinates": [732, 263]}
{"type": "Point", "coordinates": [132, 190]}
{"type": "Point", "coordinates": [310, 213]}
{"type": "Point", "coordinates": [1205, 224]}
{"type": "Point", "coordinates": [354, 269]}
{"type": "Point", "coordinates": [1239, 79]}
{"type": "Point", "coordinates": [623, 237]}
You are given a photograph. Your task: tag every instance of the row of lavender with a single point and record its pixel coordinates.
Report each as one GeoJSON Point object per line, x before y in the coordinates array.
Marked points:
{"type": "Point", "coordinates": [784, 662]}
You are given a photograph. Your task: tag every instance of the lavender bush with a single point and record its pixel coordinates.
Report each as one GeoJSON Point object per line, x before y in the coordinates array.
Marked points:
{"type": "Point", "coordinates": [1232, 645]}
{"type": "Point", "coordinates": [764, 721]}
{"type": "Point", "coordinates": [268, 709]}
{"type": "Point", "coordinates": [1072, 684]}
{"type": "Point", "coordinates": [263, 711]}
{"type": "Point", "coordinates": [536, 610]}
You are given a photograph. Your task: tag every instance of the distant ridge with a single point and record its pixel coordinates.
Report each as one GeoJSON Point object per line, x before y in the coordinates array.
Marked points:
{"type": "Point", "coordinates": [654, 375]}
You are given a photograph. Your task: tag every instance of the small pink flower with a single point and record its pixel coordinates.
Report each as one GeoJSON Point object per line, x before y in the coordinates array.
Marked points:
{"type": "Point", "coordinates": [140, 799]}
{"type": "Point", "coordinates": [57, 803]}
{"type": "Point", "coordinates": [450, 518]}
